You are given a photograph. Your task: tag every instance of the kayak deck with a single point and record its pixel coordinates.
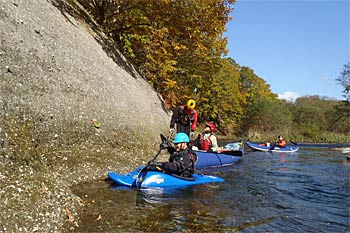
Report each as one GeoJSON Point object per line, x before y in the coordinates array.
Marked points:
{"type": "Point", "coordinates": [128, 179]}
{"type": "Point", "coordinates": [143, 178]}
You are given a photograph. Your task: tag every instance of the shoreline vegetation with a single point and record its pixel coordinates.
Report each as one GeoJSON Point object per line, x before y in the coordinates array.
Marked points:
{"type": "Point", "coordinates": [324, 138]}
{"type": "Point", "coordinates": [334, 139]}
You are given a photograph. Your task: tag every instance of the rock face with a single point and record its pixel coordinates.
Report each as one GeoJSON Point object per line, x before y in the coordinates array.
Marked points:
{"type": "Point", "coordinates": [71, 109]}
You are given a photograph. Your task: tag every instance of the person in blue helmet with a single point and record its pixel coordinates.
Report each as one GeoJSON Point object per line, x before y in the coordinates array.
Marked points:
{"type": "Point", "coordinates": [182, 159]}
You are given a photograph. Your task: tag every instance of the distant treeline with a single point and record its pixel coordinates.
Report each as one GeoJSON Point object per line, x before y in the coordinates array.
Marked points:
{"type": "Point", "coordinates": [179, 48]}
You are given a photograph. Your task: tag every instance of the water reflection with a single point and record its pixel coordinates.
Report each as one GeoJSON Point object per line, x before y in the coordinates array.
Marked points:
{"type": "Point", "coordinates": [159, 195]}
{"type": "Point", "coordinates": [168, 209]}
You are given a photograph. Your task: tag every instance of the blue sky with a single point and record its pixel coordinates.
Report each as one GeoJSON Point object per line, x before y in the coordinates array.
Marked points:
{"type": "Point", "coordinates": [297, 46]}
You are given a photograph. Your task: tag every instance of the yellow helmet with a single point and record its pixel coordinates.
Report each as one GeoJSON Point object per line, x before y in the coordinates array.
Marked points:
{"type": "Point", "coordinates": [191, 104]}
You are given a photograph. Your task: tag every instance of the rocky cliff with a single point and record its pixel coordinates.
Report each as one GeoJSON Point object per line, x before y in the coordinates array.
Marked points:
{"type": "Point", "coordinates": [71, 109]}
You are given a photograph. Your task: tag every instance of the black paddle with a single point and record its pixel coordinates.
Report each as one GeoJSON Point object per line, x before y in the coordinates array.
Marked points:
{"type": "Point", "coordinates": [155, 157]}
{"type": "Point", "coordinates": [231, 152]}
{"type": "Point", "coordinates": [165, 144]}
{"type": "Point", "coordinates": [293, 142]}
{"type": "Point", "coordinates": [272, 147]}
{"type": "Point", "coordinates": [164, 141]}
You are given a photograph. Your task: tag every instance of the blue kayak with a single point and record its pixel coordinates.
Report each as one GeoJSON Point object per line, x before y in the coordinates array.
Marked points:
{"type": "Point", "coordinates": [128, 179]}
{"type": "Point", "coordinates": [142, 178]}
{"type": "Point", "coordinates": [218, 159]}
{"type": "Point", "coordinates": [286, 149]}
{"type": "Point", "coordinates": [159, 179]}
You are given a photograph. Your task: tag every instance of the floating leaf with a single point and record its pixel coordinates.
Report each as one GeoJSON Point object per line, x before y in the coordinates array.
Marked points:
{"type": "Point", "coordinates": [96, 123]}
{"type": "Point", "coordinates": [99, 217]}
{"type": "Point", "coordinates": [69, 215]}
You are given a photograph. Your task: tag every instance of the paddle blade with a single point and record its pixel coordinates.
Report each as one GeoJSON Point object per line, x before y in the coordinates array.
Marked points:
{"type": "Point", "coordinates": [293, 142]}
{"type": "Point", "coordinates": [163, 138]}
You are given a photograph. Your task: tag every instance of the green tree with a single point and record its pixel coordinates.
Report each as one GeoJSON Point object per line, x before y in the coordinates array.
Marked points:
{"type": "Point", "coordinates": [342, 109]}
{"type": "Point", "coordinates": [312, 116]}
{"type": "Point", "coordinates": [257, 95]}
{"type": "Point", "coordinates": [344, 81]}
{"type": "Point", "coordinates": [337, 121]}
{"type": "Point", "coordinates": [219, 96]}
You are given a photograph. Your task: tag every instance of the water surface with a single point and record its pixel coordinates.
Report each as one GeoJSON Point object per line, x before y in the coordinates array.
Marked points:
{"type": "Point", "coordinates": [307, 191]}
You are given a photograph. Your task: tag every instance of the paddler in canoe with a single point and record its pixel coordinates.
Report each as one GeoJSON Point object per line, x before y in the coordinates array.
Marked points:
{"type": "Point", "coordinates": [207, 140]}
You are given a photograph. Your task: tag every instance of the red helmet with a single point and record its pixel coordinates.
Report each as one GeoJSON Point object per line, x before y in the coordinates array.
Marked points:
{"type": "Point", "coordinates": [211, 125]}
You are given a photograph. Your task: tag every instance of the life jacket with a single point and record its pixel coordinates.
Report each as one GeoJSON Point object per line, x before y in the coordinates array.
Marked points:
{"type": "Point", "coordinates": [186, 115]}
{"type": "Point", "coordinates": [205, 143]}
{"type": "Point", "coordinates": [176, 156]}
{"type": "Point", "coordinates": [282, 143]}
{"type": "Point", "coordinates": [189, 169]}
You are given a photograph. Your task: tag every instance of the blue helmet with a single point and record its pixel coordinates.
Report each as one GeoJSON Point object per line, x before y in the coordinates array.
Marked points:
{"type": "Point", "coordinates": [181, 137]}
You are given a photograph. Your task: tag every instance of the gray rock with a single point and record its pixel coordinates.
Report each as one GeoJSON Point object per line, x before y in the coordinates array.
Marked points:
{"type": "Point", "coordinates": [71, 109]}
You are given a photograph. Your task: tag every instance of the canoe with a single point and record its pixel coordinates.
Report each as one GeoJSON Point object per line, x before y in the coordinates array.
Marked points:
{"type": "Point", "coordinates": [343, 150]}
{"type": "Point", "coordinates": [141, 178]}
{"type": "Point", "coordinates": [287, 149]}
{"type": "Point", "coordinates": [218, 159]}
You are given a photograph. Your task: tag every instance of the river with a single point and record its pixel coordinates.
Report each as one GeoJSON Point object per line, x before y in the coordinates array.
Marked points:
{"type": "Point", "coordinates": [307, 191]}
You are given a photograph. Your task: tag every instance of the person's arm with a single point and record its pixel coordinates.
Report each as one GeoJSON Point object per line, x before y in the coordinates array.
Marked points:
{"type": "Point", "coordinates": [276, 143]}
{"type": "Point", "coordinates": [196, 141]}
{"type": "Point", "coordinates": [194, 122]}
{"type": "Point", "coordinates": [171, 167]}
{"type": "Point", "coordinates": [214, 143]}
{"type": "Point", "coordinates": [171, 150]}
{"type": "Point", "coordinates": [179, 165]}
{"type": "Point", "coordinates": [174, 117]}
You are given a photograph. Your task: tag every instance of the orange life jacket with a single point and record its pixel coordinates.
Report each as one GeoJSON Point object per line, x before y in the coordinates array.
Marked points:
{"type": "Point", "coordinates": [282, 143]}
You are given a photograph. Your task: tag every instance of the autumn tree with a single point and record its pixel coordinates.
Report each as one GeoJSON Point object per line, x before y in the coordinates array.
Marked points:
{"type": "Point", "coordinates": [178, 46]}
{"type": "Point", "coordinates": [175, 44]}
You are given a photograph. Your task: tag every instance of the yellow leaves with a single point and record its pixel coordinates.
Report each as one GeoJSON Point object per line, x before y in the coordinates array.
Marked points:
{"type": "Point", "coordinates": [179, 47]}
{"type": "Point", "coordinates": [170, 83]}
{"type": "Point", "coordinates": [201, 47]}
